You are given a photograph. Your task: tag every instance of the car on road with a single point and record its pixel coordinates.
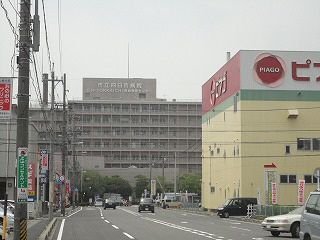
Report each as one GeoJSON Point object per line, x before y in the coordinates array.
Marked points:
{"type": "Point", "coordinates": [10, 219]}
{"type": "Point", "coordinates": [310, 218]}
{"type": "Point", "coordinates": [287, 223]}
{"type": "Point", "coordinates": [146, 204]}
{"type": "Point", "coordinates": [109, 203]}
{"type": "Point", "coordinates": [236, 207]}
{"type": "Point", "coordinates": [98, 202]}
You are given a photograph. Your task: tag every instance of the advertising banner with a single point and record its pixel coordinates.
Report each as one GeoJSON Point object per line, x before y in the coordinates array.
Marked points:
{"type": "Point", "coordinates": [44, 159]}
{"type": "Point", "coordinates": [269, 179]}
{"type": "Point", "coordinates": [274, 193]}
{"type": "Point", "coordinates": [153, 187]}
{"type": "Point", "coordinates": [31, 179]}
{"type": "Point", "coordinates": [301, 192]}
{"type": "Point", "coordinates": [5, 97]}
{"type": "Point", "coordinates": [22, 178]}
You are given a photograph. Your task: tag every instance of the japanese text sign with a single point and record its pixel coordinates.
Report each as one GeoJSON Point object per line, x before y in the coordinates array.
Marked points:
{"type": "Point", "coordinates": [301, 192]}
{"type": "Point", "coordinates": [5, 98]}
{"type": "Point", "coordinates": [44, 159]}
{"type": "Point", "coordinates": [31, 179]}
{"type": "Point", "coordinates": [22, 181]}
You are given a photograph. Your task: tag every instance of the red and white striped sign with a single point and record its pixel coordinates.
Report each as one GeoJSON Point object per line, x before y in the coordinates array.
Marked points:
{"type": "Point", "coordinates": [274, 193]}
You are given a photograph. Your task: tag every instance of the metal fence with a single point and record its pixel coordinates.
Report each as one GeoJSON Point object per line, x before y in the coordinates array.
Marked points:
{"type": "Point", "coordinates": [272, 210]}
{"type": "Point", "coordinates": [190, 206]}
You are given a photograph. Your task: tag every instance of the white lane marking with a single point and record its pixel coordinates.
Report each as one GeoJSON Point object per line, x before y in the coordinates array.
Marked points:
{"type": "Point", "coordinates": [131, 212]}
{"type": "Point", "coordinates": [106, 221]}
{"type": "Point", "coordinates": [61, 229]}
{"type": "Point", "coordinates": [236, 223]}
{"type": "Point", "coordinates": [115, 226]}
{"type": "Point", "coordinates": [258, 238]}
{"type": "Point", "coordinates": [244, 229]}
{"type": "Point", "coordinates": [75, 212]}
{"type": "Point", "coordinates": [184, 222]}
{"type": "Point", "coordinates": [128, 235]}
{"type": "Point", "coordinates": [102, 217]}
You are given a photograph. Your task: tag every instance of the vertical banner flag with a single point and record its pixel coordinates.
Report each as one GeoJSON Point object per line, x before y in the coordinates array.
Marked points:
{"type": "Point", "coordinates": [270, 177]}
{"type": "Point", "coordinates": [22, 181]}
{"type": "Point", "coordinates": [44, 159]}
{"type": "Point", "coordinates": [31, 179]}
{"type": "Point", "coordinates": [153, 187]}
{"type": "Point", "coordinates": [301, 192]}
{"type": "Point", "coordinates": [274, 193]}
{"type": "Point", "coordinates": [5, 97]}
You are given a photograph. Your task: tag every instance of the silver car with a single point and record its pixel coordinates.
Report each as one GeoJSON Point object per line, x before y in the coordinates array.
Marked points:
{"type": "Point", "coordinates": [310, 218]}
{"type": "Point", "coordinates": [287, 223]}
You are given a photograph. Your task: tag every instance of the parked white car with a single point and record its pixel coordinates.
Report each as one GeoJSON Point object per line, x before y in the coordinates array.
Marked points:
{"type": "Point", "coordinates": [287, 223]}
{"type": "Point", "coordinates": [10, 219]}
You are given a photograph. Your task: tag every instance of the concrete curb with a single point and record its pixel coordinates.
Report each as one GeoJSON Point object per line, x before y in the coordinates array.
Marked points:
{"type": "Point", "coordinates": [46, 232]}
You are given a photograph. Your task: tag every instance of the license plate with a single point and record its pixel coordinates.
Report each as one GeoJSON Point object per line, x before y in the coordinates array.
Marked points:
{"type": "Point", "coordinates": [268, 226]}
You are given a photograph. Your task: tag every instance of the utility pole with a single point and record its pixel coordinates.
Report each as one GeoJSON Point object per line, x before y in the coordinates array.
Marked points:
{"type": "Point", "coordinates": [51, 160]}
{"type": "Point", "coordinates": [74, 165]}
{"type": "Point", "coordinates": [175, 176]}
{"type": "Point", "coordinates": [64, 147]}
{"type": "Point", "coordinates": [21, 207]}
{"type": "Point", "coordinates": [164, 206]}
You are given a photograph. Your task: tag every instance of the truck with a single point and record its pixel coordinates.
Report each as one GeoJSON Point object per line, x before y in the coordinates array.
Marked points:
{"type": "Point", "coordinates": [116, 197]}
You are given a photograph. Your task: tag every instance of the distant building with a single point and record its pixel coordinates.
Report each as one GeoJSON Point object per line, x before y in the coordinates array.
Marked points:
{"type": "Point", "coordinates": [261, 128]}
{"type": "Point", "coordinates": [121, 128]}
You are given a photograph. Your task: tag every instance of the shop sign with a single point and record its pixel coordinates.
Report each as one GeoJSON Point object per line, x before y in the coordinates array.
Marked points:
{"type": "Point", "coordinates": [22, 181]}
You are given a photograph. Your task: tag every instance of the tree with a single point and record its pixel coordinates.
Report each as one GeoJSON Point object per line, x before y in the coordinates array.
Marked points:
{"type": "Point", "coordinates": [116, 184]}
{"type": "Point", "coordinates": [189, 182]}
{"type": "Point", "coordinates": [141, 184]}
{"type": "Point", "coordinates": [93, 183]}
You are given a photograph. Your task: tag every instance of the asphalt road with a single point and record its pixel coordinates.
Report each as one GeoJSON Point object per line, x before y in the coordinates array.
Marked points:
{"type": "Point", "coordinates": [126, 223]}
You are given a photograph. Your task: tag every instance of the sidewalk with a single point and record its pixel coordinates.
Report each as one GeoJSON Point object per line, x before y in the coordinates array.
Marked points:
{"type": "Point", "coordinates": [37, 226]}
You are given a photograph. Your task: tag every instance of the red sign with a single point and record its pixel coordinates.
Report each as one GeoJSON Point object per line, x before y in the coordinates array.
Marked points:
{"type": "Point", "coordinates": [269, 70]}
{"type": "Point", "coordinates": [5, 97]}
{"type": "Point", "coordinates": [44, 159]}
{"type": "Point", "coordinates": [301, 192]}
{"type": "Point", "coordinates": [270, 166]}
{"type": "Point", "coordinates": [274, 193]}
{"type": "Point", "coordinates": [31, 179]}
{"type": "Point", "coordinates": [68, 187]}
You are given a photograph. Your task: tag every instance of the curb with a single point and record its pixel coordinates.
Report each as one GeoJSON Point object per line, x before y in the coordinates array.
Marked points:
{"type": "Point", "coordinates": [46, 232]}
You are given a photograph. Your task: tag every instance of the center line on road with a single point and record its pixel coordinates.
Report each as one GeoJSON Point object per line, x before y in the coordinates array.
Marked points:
{"type": "Point", "coordinates": [115, 226]}
{"type": "Point", "coordinates": [102, 217]}
{"type": "Point", "coordinates": [128, 235]}
{"type": "Point", "coordinates": [106, 221]}
{"type": "Point", "coordinates": [241, 229]}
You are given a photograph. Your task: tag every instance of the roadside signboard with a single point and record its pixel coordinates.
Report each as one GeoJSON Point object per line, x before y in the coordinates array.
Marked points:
{"type": "Point", "coordinates": [5, 97]}
{"type": "Point", "coordinates": [22, 181]}
{"type": "Point", "coordinates": [301, 192]}
{"type": "Point", "coordinates": [44, 159]}
{"type": "Point", "coordinates": [269, 179]}
{"type": "Point", "coordinates": [258, 196]}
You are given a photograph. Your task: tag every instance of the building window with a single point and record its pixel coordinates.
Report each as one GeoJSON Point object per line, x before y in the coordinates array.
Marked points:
{"type": "Point", "coordinates": [310, 179]}
{"type": "Point", "coordinates": [290, 178]}
{"type": "Point", "coordinates": [304, 143]}
{"type": "Point", "coordinates": [316, 144]}
{"type": "Point", "coordinates": [287, 149]}
{"type": "Point", "coordinates": [212, 189]}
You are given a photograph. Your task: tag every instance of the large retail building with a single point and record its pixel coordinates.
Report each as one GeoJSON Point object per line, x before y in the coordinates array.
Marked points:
{"type": "Point", "coordinates": [261, 128]}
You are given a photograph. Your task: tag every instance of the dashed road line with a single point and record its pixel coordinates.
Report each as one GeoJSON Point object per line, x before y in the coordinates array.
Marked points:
{"type": "Point", "coordinates": [244, 229]}
{"type": "Point", "coordinates": [128, 235]}
{"type": "Point", "coordinates": [75, 212]}
{"type": "Point", "coordinates": [106, 221]}
{"type": "Point", "coordinates": [115, 226]}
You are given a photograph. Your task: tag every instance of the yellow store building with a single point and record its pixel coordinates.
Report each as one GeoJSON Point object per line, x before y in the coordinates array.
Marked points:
{"type": "Point", "coordinates": [261, 128]}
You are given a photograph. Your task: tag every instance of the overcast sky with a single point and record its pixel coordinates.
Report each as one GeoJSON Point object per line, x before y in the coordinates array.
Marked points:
{"type": "Point", "coordinates": [181, 43]}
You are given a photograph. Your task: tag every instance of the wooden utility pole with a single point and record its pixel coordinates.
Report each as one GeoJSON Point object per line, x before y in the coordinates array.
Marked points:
{"type": "Point", "coordinates": [21, 204]}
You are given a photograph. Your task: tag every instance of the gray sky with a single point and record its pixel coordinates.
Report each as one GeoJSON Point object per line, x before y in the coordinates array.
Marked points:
{"type": "Point", "coordinates": [181, 43]}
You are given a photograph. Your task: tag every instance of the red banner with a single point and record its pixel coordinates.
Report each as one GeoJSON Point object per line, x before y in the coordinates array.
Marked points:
{"type": "Point", "coordinates": [301, 192]}
{"type": "Point", "coordinates": [31, 179]}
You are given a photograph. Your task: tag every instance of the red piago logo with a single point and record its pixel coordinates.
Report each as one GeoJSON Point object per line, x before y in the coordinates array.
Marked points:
{"type": "Point", "coordinates": [218, 88]}
{"type": "Point", "coordinates": [269, 70]}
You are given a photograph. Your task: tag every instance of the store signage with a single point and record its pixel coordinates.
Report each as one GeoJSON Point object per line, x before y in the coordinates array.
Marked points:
{"type": "Point", "coordinates": [301, 192]}
{"type": "Point", "coordinates": [31, 179]}
{"type": "Point", "coordinates": [270, 70]}
{"type": "Point", "coordinates": [218, 88]}
{"type": "Point", "coordinates": [44, 159]}
{"type": "Point", "coordinates": [270, 189]}
{"type": "Point", "coordinates": [22, 181]}
{"type": "Point", "coordinates": [5, 98]}
{"type": "Point", "coordinates": [153, 187]}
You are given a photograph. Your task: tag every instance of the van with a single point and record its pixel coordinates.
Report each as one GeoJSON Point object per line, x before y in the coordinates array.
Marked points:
{"type": "Point", "coordinates": [235, 207]}
{"type": "Point", "coordinates": [310, 218]}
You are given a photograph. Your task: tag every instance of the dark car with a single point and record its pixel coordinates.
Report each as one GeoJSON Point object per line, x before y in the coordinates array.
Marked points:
{"type": "Point", "coordinates": [108, 203]}
{"type": "Point", "coordinates": [146, 204]}
{"type": "Point", "coordinates": [236, 207]}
